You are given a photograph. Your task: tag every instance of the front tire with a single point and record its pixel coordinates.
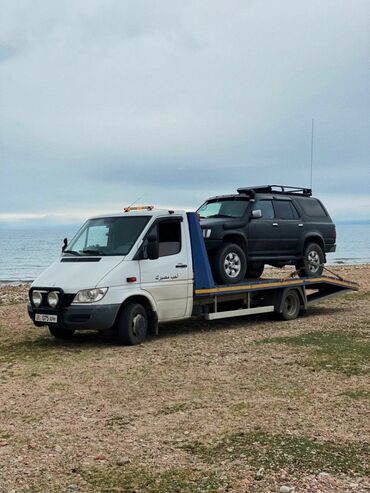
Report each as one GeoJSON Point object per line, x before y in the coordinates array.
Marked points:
{"type": "Point", "coordinates": [313, 261]}
{"type": "Point", "coordinates": [133, 324]}
{"type": "Point", "coordinates": [61, 333]}
{"type": "Point", "coordinates": [229, 264]}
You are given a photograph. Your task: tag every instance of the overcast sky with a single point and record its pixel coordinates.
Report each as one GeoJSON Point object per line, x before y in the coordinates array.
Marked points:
{"type": "Point", "coordinates": [106, 101]}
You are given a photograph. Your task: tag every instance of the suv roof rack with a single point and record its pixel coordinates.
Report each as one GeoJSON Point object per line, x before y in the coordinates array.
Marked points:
{"type": "Point", "coordinates": [272, 189]}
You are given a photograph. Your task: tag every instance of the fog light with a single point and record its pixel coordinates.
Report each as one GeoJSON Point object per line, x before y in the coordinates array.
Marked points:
{"type": "Point", "coordinates": [36, 298]}
{"type": "Point", "coordinates": [53, 299]}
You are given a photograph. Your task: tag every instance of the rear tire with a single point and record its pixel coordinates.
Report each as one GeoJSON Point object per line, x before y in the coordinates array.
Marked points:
{"type": "Point", "coordinates": [291, 305]}
{"type": "Point", "coordinates": [133, 324]}
{"type": "Point", "coordinates": [229, 264]}
{"type": "Point", "coordinates": [313, 261]}
{"type": "Point", "coordinates": [255, 270]}
{"type": "Point", "coordinates": [61, 333]}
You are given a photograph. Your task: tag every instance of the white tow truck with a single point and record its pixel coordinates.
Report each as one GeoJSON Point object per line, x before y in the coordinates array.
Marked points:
{"type": "Point", "coordinates": [134, 270]}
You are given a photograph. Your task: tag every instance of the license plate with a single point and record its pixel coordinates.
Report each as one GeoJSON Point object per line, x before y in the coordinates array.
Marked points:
{"type": "Point", "coordinates": [41, 317]}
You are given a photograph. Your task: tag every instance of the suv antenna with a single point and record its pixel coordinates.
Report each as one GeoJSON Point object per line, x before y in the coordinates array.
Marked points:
{"type": "Point", "coordinates": [312, 128]}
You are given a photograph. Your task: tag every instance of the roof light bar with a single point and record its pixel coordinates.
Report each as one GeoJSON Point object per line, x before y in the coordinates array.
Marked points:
{"type": "Point", "coordinates": [139, 208]}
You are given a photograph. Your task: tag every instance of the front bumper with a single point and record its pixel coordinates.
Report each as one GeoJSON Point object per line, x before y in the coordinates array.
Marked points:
{"type": "Point", "coordinates": [330, 248]}
{"type": "Point", "coordinates": [80, 317]}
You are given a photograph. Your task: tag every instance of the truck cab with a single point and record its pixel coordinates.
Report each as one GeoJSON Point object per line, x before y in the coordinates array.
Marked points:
{"type": "Point", "coordinates": [140, 257]}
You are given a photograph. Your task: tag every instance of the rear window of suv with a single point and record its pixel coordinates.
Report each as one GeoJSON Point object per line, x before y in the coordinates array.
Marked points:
{"type": "Point", "coordinates": [312, 207]}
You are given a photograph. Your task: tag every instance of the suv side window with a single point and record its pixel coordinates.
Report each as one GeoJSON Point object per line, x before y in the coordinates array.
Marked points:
{"type": "Point", "coordinates": [266, 207]}
{"type": "Point", "coordinates": [169, 237]}
{"type": "Point", "coordinates": [285, 209]}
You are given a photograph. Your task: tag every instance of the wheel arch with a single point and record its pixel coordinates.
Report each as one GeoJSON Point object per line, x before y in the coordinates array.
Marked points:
{"type": "Point", "coordinates": [237, 238]}
{"type": "Point", "coordinates": [314, 238]}
{"type": "Point", "coordinates": [149, 306]}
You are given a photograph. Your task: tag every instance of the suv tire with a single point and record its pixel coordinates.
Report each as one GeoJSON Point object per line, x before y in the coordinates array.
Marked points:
{"type": "Point", "coordinates": [255, 270]}
{"type": "Point", "coordinates": [229, 264]}
{"type": "Point", "coordinates": [313, 261]}
{"type": "Point", "coordinates": [133, 324]}
{"type": "Point", "coordinates": [60, 332]}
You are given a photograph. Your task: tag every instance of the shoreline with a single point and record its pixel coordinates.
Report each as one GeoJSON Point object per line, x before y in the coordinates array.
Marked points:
{"type": "Point", "coordinates": [336, 265]}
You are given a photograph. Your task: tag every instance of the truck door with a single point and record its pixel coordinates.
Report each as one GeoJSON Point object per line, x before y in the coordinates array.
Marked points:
{"type": "Point", "coordinates": [289, 226]}
{"type": "Point", "coordinates": [167, 278]}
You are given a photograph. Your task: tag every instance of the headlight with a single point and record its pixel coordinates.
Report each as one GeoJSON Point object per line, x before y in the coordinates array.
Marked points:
{"type": "Point", "coordinates": [36, 298]}
{"type": "Point", "coordinates": [90, 295]}
{"type": "Point", "coordinates": [206, 233]}
{"type": "Point", "coordinates": [53, 299]}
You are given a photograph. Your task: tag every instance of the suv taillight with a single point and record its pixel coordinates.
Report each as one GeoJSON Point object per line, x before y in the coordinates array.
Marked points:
{"type": "Point", "coordinates": [335, 233]}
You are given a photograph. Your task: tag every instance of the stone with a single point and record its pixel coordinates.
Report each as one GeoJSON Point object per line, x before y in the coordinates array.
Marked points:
{"type": "Point", "coordinates": [286, 489]}
{"type": "Point", "coordinates": [259, 474]}
{"type": "Point", "coordinates": [123, 461]}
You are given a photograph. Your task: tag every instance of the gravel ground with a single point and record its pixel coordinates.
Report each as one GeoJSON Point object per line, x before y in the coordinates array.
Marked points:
{"type": "Point", "coordinates": [239, 405]}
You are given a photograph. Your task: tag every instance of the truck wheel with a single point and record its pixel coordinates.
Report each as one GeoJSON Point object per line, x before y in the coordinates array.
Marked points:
{"type": "Point", "coordinates": [60, 333]}
{"type": "Point", "coordinates": [255, 270]}
{"type": "Point", "coordinates": [313, 261]}
{"type": "Point", "coordinates": [133, 324]}
{"type": "Point", "coordinates": [291, 305]}
{"type": "Point", "coordinates": [229, 264]}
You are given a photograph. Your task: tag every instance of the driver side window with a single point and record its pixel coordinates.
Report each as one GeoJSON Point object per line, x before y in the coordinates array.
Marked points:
{"type": "Point", "coordinates": [266, 207]}
{"type": "Point", "coordinates": [169, 237]}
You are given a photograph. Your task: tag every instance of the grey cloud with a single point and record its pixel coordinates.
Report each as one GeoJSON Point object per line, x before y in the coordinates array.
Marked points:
{"type": "Point", "coordinates": [179, 100]}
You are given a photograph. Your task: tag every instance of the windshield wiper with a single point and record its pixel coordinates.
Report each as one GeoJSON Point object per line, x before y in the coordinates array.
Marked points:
{"type": "Point", "coordinates": [72, 252]}
{"type": "Point", "coordinates": [91, 251]}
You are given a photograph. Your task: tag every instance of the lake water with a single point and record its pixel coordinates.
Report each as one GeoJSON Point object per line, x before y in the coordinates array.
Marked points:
{"type": "Point", "coordinates": [26, 252]}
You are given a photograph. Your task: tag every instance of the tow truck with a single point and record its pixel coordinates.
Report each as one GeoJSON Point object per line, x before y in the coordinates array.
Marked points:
{"type": "Point", "coordinates": [143, 267]}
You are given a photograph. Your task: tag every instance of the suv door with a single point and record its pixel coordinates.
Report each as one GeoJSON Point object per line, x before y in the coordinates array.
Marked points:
{"type": "Point", "coordinates": [289, 226]}
{"type": "Point", "coordinates": [263, 234]}
{"type": "Point", "coordinates": [167, 278]}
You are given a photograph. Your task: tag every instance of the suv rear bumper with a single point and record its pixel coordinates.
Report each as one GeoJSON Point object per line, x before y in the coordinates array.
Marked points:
{"type": "Point", "coordinates": [80, 317]}
{"type": "Point", "coordinates": [330, 248]}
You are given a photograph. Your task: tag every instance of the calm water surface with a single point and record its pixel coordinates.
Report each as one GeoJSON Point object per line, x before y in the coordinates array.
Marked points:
{"type": "Point", "coordinates": [26, 252]}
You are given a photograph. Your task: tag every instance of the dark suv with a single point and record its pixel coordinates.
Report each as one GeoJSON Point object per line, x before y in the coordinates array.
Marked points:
{"type": "Point", "coordinates": [271, 224]}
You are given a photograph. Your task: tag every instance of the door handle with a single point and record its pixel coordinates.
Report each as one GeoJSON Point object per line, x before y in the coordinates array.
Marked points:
{"type": "Point", "coordinates": [275, 224]}
{"type": "Point", "coordinates": [181, 266]}
{"type": "Point", "coordinates": [300, 225]}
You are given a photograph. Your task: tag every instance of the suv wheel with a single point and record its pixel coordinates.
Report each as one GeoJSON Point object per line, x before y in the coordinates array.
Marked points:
{"type": "Point", "coordinates": [229, 264]}
{"type": "Point", "coordinates": [255, 270]}
{"type": "Point", "coordinates": [133, 324]}
{"type": "Point", "coordinates": [313, 261]}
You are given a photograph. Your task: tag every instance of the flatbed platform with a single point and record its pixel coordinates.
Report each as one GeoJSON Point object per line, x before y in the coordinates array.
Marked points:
{"type": "Point", "coordinates": [258, 295]}
{"type": "Point", "coordinates": [255, 285]}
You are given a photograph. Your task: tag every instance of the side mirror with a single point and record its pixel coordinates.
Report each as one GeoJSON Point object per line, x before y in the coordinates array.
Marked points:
{"type": "Point", "coordinates": [65, 244]}
{"type": "Point", "coordinates": [152, 248]}
{"type": "Point", "coordinates": [256, 214]}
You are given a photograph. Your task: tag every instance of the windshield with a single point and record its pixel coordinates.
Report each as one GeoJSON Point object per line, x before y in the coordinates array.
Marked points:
{"type": "Point", "coordinates": [223, 208]}
{"type": "Point", "coordinates": [107, 236]}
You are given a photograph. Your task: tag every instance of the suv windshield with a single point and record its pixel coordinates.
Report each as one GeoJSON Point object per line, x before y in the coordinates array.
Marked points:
{"type": "Point", "coordinates": [223, 208]}
{"type": "Point", "coordinates": [107, 236]}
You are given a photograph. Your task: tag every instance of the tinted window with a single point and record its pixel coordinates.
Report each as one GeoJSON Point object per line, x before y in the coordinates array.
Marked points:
{"type": "Point", "coordinates": [169, 237]}
{"type": "Point", "coordinates": [266, 207]}
{"type": "Point", "coordinates": [312, 207]}
{"type": "Point", "coordinates": [285, 210]}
